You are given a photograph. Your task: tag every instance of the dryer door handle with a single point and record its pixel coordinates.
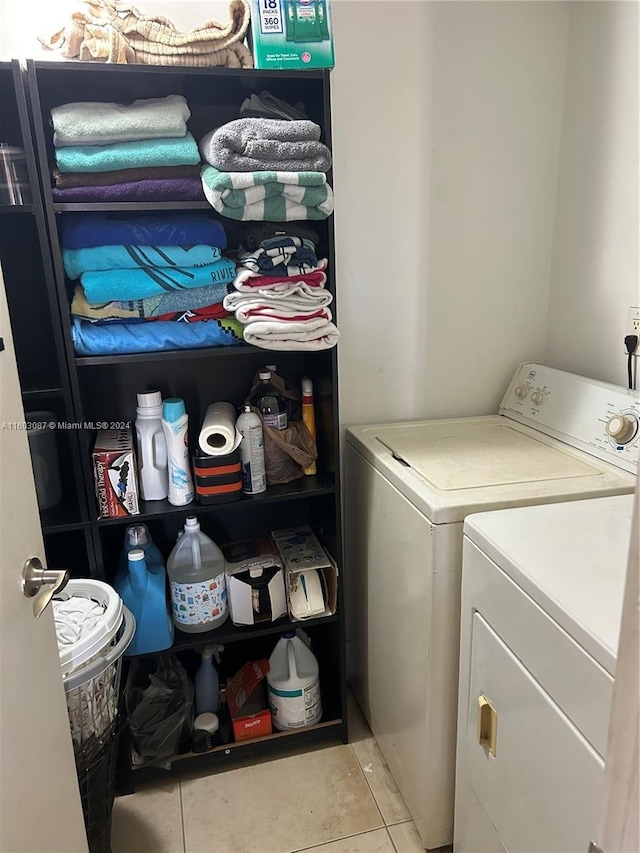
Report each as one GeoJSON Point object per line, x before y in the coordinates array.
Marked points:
{"type": "Point", "coordinates": [487, 725]}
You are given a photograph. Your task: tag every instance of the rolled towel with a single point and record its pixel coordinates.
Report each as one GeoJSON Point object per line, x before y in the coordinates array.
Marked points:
{"type": "Point", "coordinates": [164, 189]}
{"type": "Point", "coordinates": [272, 196]}
{"type": "Point", "coordinates": [118, 285]}
{"type": "Point", "coordinates": [97, 123]}
{"type": "Point", "coordinates": [249, 282]}
{"type": "Point", "coordinates": [80, 231]}
{"type": "Point", "coordinates": [279, 335]}
{"type": "Point", "coordinates": [77, 261]}
{"type": "Point", "coordinates": [281, 256]}
{"type": "Point", "coordinates": [252, 144]}
{"type": "Point", "coordinates": [118, 338]}
{"type": "Point", "coordinates": [144, 309]}
{"type": "Point", "coordinates": [128, 155]}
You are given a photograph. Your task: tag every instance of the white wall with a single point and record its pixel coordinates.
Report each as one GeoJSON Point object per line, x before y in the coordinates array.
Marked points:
{"type": "Point", "coordinates": [447, 122]}
{"type": "Point", "coordinates": [595, 273]}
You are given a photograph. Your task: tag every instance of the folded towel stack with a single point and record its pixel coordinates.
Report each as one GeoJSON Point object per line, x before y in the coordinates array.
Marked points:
{"type": "Point", "coordinates": [280, 296]}
{"type": "Point", "coordinates": [152, 268]}
{"type": "Point", "coordinates": [267, 169]}
{"type": "Point", "coordinates": [135, 152]}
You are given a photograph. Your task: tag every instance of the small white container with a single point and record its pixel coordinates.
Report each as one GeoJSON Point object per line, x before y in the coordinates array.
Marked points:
{"type": "Point", "coordinates": [152, 447]}
{"type": "Point", "coordinates": [293, 683]}
{"type": "Point", "coordinates": [254, 477]}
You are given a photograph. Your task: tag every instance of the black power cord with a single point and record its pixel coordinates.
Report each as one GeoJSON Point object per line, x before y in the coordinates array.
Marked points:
{"type": "Point", "coordinates": [631, 343]}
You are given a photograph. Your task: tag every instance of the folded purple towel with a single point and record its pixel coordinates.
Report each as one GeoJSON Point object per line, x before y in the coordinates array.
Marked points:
{"type": "Point", "coordinates": [166, 189]}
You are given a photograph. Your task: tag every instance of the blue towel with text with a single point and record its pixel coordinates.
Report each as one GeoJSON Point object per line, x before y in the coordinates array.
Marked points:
{"type": "Point", "coordinates": [82, 231]}
{"type": "Point", "coordinates": [123, 285]}
{"type": "Point", "coordinates": [77, 261]}
{"type": "Point", "coordinates": [129, 155]}
{"type": "Point", "coordinates": [117, 338]}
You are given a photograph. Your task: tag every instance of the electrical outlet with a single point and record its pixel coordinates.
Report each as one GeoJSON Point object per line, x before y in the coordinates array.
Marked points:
{"type": "Point", "coordinates": [633, 321]}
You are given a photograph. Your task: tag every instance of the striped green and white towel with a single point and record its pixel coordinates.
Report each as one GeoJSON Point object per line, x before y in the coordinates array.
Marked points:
{"type": "Point", "coordinates": [270, 196]}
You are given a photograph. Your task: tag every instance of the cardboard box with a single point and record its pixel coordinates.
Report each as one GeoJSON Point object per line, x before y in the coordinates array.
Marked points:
{"type": "Point", "coordinates": [114, 472]}
{"type": "Point", "coordinates": [247, 701]}
{"type": "Point", "coordinates": [300, 550]}
{"type": "Point", "coordinates": [241, 558]}
{"type": "Point", "coordinates": [291, 34]}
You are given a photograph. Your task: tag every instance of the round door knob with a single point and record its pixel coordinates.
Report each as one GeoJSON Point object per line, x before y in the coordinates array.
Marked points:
{"type": "Point", "coordinates": [522, 391]}
{"type": "Point", "coordinates": [537, 397]}
{"type": "Point", "coordinates": [622, 428]}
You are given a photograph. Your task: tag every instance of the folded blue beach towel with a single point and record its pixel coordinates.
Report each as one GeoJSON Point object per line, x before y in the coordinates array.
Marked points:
{"type": "Point", "coordinates": [128, 155]}
{"type": "Point", "coordinates": [81, 231]}
{"type": "Point", "coordinates": [77, 261]}
{"type": "Point", "coordinates": [122, 285]}
{"type": "Point", "coordinates": [116, 338]}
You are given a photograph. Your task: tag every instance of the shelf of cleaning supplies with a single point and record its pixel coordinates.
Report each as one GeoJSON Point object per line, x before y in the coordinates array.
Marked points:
{"type": "Point", "coordinates": [320, 484]}
{"type": "Point", "coordinates": [230, 633]}
{"type": "Point", "coordinates": [126, 206]}
{"type": "Point", "coordinates": [229, 751]}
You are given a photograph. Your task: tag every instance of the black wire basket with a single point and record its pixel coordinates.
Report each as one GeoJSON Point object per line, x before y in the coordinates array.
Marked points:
{"type": "Point", "coordinates": [96, 769]}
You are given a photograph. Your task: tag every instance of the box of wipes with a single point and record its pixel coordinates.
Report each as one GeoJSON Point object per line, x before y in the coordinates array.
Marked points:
{"type": "Point", "coordinates": [291, 34]}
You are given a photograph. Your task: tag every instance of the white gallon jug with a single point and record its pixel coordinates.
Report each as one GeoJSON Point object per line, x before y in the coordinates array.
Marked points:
{"type": "Point", "coordinates": [294, 684]}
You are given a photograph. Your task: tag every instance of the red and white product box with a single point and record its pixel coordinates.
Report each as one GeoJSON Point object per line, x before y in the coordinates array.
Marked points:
{"type": "Point", "coordinates": [114, 471]}
{"type": "Point", "coordinates": [247, 701]}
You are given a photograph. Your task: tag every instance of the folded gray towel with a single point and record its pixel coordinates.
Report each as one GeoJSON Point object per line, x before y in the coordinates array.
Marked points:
{"type": "Point", "coordinates": [262, 144]}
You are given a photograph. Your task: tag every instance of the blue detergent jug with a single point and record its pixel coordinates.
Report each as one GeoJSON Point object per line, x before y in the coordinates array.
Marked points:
{"type": "Point", "coordinates": [141, 583]}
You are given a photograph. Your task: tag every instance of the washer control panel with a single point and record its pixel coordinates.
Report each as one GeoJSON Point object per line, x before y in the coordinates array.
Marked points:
{"type": "Point", "coordinates": [595, 416]}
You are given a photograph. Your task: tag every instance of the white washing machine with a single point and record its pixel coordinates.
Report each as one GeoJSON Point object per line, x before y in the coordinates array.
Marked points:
{"type": "Point", "coordinates": [408, 488]}
{"type": "Point", "coordinates": [542, 592]}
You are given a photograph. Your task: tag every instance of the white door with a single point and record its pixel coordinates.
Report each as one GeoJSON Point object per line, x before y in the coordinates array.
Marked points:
{"type": "Point", "coordinates": [40, 810]}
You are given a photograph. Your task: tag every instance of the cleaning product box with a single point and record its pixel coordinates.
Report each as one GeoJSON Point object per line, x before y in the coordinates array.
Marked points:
{"type": "Point", "coordinates": [291, 34]}
{"type": "Point", "coordinates": [255, 582]}
{"type": "Point", "coordinates": [114, 472]}
{"type": "Point", "coordinates": [311, 576]}
{"type": "Point", "coordinates": [247, 701]}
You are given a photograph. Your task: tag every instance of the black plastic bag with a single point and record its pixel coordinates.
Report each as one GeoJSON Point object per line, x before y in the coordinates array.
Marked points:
{"type": "Point", "coordinates": [159, 707]}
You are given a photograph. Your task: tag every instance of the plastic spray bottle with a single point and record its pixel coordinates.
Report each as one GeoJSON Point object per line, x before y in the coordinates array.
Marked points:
{"type": "Point", "coordinates": [175, 422]}
{"type": "Point", "coordinates": [254, 478]}
{"type": "Point", "coordinates": [207, 682]}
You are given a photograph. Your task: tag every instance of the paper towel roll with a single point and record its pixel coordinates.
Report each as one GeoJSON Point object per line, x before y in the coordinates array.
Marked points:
{"type": "Point", "coordinates": [218, 434]}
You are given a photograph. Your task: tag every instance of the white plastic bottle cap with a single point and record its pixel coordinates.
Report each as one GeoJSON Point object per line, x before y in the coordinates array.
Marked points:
{"type": "Point", "coordinates": [191, 523]}
{"type": "Point", "coordinates": [148, 399]}
{"type": "Point", "coordinates": [206, 722]}
{"type": "Point", "coordinates": [256, 572]}
{"type": "Point", "coordinates": [135, 555]}
{"type": "Point", "coordinates": [247, 408]}
{"type": "Point", "coordinates": [307, 386]}
{"type": "Point", "coordinates": [264, 374]}
{"type": "Point", "coordinates": [270, 367]}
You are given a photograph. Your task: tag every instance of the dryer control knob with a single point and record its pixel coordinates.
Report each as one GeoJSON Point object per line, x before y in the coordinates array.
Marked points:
{"type": "Point", "coordinates": [622, 428]}
{"type": "Point", "coordinates": [537, 397]}
{"type": "Point", "coordinates": [522, 391]}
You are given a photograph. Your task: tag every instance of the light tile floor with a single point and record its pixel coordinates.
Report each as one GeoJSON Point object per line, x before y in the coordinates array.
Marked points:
{"type": "Point", "coordinates": [336, 799]}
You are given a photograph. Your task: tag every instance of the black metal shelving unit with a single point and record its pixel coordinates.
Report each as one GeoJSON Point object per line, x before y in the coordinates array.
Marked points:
{"type": "Point", "coordinates": [103, 388]}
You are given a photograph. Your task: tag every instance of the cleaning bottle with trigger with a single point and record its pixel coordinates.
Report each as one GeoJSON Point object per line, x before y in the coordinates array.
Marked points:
{"type": "Point", "coordinates": [207, 682]}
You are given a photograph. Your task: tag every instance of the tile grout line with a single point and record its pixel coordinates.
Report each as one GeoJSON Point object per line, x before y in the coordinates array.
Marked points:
{"type": "Point", "coordinates": [342, 838]}
{"type": "Point", "coordinates": [393, 844]}
{"type": "Point", "coordinates": [382, 818]}
{"type": "Point", "coordinates": [184, 834]}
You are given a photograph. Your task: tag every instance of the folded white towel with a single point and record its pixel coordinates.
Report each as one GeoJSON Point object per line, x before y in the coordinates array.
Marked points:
{"type": "Point", "coordinates": [297, 304]}
{"type": "Point", "coordinates": [275, 335]}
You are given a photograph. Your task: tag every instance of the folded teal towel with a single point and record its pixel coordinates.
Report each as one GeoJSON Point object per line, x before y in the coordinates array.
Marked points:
{"type": "Point", "coordinates": [128, 155]}
{"type": "Point", "coordinates": [123, 285]}
{"type": "Point", "coordinates": [77, 261]}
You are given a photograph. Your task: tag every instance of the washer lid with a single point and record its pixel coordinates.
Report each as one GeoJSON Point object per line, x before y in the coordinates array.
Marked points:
{"type": "Point", "coordinates": [463, 455]}
{"type": "Point", "coordinates": [570, 558]}
{"type": "Point", "coordinates": [451, 468]}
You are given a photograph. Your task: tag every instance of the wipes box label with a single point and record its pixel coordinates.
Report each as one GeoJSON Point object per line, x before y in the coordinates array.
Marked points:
{"type": "Point", "coordinates": [291, 34]}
